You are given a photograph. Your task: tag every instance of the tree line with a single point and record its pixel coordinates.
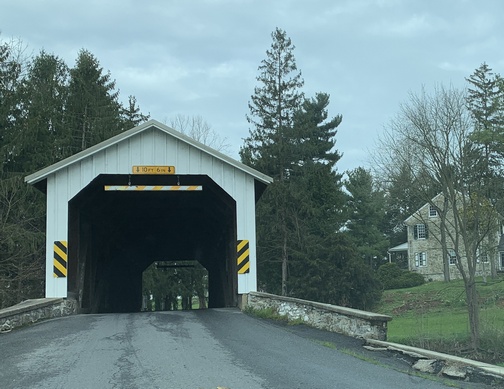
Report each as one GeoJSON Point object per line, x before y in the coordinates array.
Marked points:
{"type": "Point", "coordinates": [321, 234]}
{"type": "Point", "coordinates": [449, 142]}
{"type": "Point", "coordinates": [48, 111]}
{"type": "Point", "coordinates": [317, 232]}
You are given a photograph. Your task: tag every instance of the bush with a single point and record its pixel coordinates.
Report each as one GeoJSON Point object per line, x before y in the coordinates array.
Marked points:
{"type": "Point", "coordinates": [392, 277]}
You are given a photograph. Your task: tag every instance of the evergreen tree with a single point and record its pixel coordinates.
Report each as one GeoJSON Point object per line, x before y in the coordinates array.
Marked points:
{"type": "Point", "coordinates": [131, 114]}
{"type": "Point", "coordinates": [313, 134]}
{"type": "Point", "coordinates": [12, 66]}
{"type": "Point", "coordinates": [485, 101]}
{"type": "Point", "coordinates": [302, 210]}
{"type": "Point", "coordinates": [272, 108]}
{"type": "Point", "coordinates": [21, 207]}
{"type": "Point", "coordinates": [93, 110]}
{"type": "Point", "coordinates": [46, 113]}
{"type": "Point", "coordinates": [336, 275]}
{"type": "Point", "coordinates": [366, 213]}
{"type": "Point", "coordinates": [268, 147]}
{"type": "Point", "coordinates": [39, 131]}
{"type": "Point", "coordinates": [293, 140]}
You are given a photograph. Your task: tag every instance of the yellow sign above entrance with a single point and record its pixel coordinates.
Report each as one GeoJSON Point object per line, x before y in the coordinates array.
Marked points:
{"type": "Point", "coordinates": [153, 169]}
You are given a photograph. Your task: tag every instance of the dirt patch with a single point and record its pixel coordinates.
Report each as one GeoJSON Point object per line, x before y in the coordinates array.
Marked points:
{"type": "Point", "coordinates": [417, 307]}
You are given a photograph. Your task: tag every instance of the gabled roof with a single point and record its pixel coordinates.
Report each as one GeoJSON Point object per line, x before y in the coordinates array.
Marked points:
{"type": "Point", "coordinates": [44, 173]}
{"type": "Point", "coordinates": [414, 214]}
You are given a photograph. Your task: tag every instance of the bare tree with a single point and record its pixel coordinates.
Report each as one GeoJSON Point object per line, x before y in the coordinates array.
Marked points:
{"type": "Point", "coordinates": [430, 136]}
{"type": "Point", "coordinates": [22, 247]}
{"type": "Point", "coordinates": [198, 129]}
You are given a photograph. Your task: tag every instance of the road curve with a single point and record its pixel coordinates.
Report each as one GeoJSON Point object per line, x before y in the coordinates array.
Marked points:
{"type": "Point", "coordinates": [191, 349]}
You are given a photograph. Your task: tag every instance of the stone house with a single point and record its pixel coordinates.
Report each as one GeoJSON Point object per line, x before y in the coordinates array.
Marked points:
{"type": "Point", "coordinates": [424, 249]}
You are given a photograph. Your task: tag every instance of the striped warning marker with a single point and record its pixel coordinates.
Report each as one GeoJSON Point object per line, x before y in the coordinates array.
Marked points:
{"type": "Point", "coordinates": [60, 259]}
{"type": "Point", "coordinates": [153, 188]}
{"type": "Point", "coordinates": [243, 261]}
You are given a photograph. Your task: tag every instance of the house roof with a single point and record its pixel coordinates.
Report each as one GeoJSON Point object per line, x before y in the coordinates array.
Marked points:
{"type": "Point", "coordinates": [414, 214]}
{"type": "Point", "coordinates": [401, 247]}
{"type": "Point", "coordinates": [41, 175]}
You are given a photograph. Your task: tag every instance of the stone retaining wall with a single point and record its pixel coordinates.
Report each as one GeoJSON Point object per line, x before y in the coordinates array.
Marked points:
{"type": "Point", "coordinates": [31, 311]}
{"type": "Point", "coordinates": [347, 321]}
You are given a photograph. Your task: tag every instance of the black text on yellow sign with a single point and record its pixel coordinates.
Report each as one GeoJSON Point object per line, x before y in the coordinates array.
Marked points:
{"type": "Point", "coordinates": [60, 259]}
{"type": "Point", "coordinates": [153, 169]}
{"type": "Point", "coordinates": [243, 260]}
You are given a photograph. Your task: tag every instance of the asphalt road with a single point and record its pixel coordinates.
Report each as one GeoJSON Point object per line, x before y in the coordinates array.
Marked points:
{"type": "Point", "coordinates": [194, 350]}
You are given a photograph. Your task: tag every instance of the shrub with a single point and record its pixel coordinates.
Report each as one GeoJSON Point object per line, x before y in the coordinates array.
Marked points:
{"type": "Point", "coordinates": [392, 277]}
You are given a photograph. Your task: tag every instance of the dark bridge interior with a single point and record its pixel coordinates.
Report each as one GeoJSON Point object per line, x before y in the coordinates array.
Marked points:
{"type": "Point", "coordinates": [114, 236]}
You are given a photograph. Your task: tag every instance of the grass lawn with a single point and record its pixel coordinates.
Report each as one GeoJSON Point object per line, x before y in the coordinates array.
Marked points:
{"type": "Point", "coordinates": [434, 316]}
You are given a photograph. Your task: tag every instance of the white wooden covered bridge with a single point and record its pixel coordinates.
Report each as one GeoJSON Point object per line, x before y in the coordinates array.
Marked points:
{"type": "Point", "coordinates": [145, 195]}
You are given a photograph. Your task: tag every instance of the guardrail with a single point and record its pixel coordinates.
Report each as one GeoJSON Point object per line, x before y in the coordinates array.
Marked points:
{"type": "Point", "coordinates": [347, 321]}
{"type": "Point", "coordinates": [31, 311]}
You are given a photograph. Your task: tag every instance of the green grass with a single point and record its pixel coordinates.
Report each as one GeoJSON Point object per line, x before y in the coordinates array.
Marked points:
{"type": "Point", "coordinates": [434, 316]}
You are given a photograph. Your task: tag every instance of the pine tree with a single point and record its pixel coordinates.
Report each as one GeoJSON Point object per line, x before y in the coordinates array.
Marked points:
{"type": "Point", "coordinates": [39, 131]}
{"type": "Point", "coordinates": [93, 110]}
{"type": "Point", "coordinates": [131, 115]}
{"type": "Point", "coordinates": [12, 66]}
{"type": "Point", "coordinates": [366, 216]}
{"type": "Point", "coordinates": [272, 109]}
{"type": "Point", "coordinates": [293, 140]}
{"type": "Point", "coordinates": [268, 147]}
{"type": "Point", "coordinates": [485, 101]}
{"type": "Point", "coordinates": [313, 134]}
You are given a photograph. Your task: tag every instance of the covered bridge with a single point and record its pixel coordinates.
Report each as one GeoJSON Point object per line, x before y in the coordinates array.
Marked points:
{"type": "Point", "coordinates": [148, 194]}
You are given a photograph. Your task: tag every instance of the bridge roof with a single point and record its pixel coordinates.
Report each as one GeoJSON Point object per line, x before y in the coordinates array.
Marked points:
{"type": "Point", "coordinates": [38, 178]}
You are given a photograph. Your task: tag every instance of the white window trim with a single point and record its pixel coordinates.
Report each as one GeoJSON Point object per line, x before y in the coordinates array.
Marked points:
{"type": "Point", "coordinates": [452, 257]}
{"type": "Point", "coordinates": [432, 211]}
{"type": "Point", "coordinates": [424, 231]}
{"type": "Point", "coordinates": [421, 259]}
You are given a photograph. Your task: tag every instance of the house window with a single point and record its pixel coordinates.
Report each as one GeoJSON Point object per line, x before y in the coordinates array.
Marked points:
{"type": "Point", "coordinates": [421, 259]}
{"type": "Point", "coordinates": [420, 231]}
{"type": "Point", "coordinates": [432, 211]}
{"type": "Point", "coordinates": [502, 260]}
{"type": "Point", "coordinates": [483, 257]}
{"type": "Point", "coordinates": [452, 257]}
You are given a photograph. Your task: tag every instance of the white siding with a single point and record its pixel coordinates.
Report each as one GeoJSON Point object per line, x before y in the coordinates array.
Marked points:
{"type": "Point", "coordinates": [57, 229]}
{"type": "Point", "coordinates": [151, 147]}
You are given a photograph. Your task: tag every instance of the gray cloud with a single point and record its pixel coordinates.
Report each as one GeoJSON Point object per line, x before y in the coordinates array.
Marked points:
{"type": "Point", "coordinates": [201, 57]}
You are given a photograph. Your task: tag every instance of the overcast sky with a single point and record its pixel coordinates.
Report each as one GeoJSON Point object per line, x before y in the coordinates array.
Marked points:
{"type": "Point", "coordinates": [200, 57]}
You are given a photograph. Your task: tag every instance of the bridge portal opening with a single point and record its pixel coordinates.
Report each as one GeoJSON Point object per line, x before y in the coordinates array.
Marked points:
{"type": "Point", "coordinates": [174, 285]}
{"type": "Point", "coordinates": [115, 235]}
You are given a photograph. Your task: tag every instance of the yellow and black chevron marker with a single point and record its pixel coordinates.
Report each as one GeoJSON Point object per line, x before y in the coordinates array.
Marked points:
{"type": "Point", "coordinates": [60, 259]}
{"type": "Point", "coordinates": [243, 259]}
